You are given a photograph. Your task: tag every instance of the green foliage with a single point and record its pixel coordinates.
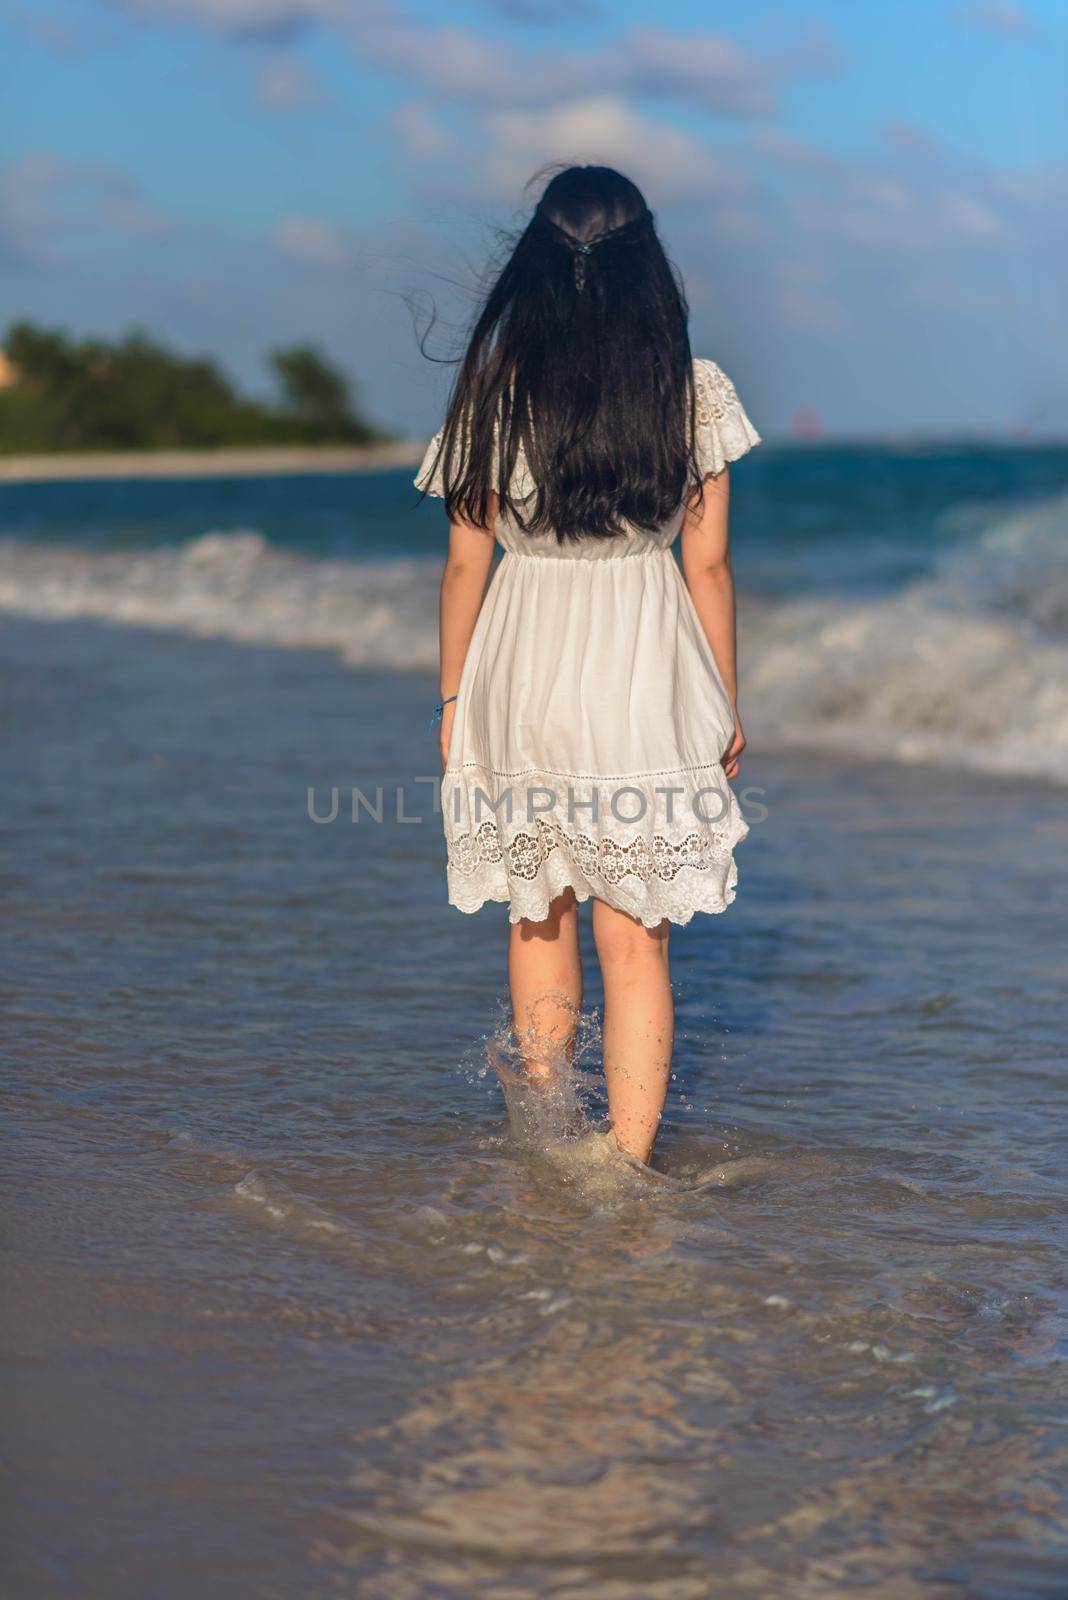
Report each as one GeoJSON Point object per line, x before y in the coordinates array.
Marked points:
{"type": "Point", "coordinates": [312, 390]}
{"type": "Point", "coordinates": [135, 395]}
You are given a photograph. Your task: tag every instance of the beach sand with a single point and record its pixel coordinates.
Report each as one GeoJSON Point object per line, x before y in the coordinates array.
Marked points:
{"type": "Point", "coordinates": [257, 462]}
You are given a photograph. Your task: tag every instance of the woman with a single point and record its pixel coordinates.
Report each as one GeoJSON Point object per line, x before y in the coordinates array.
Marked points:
{"type": "Point", "coordinates": [589, 708]}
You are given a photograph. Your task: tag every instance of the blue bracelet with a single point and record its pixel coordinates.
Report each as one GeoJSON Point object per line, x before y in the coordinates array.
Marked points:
{"type": "Point", "coordinates": [436, 714]}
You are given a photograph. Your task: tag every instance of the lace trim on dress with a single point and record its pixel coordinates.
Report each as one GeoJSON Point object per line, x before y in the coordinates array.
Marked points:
{"type": "Point", "coordinates": [653, 877]}
{"type": "Point", "coordinates": [723, 431]}
{"type": "Point", "coordinates": [644, 857]}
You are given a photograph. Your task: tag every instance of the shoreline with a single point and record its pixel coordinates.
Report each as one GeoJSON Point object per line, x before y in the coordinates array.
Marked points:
{"type": "Point", "coordinates": [306, 460]}
{"type": "Point", "coordinates": [250, 462]}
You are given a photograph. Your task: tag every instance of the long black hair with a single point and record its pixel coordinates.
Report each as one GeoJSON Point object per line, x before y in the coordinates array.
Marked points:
{"type": "Point", "coordinates": [580, 358]}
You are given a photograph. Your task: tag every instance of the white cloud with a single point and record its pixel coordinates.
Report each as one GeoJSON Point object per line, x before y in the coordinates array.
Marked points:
{"type": "Point", "coordinates": [705, 69]}
{"type": "Point", "coordinates": [997, 16]}
{"type": "Point", "coordinates": [46, 200]}
{"type": "Point", "coordinates": [285, 84]}
{"type": "Point", "coordinates": [543, 13]}
{"type": "Point", "coordinates": [964, 216]}
{"type": "Point", "coordinates": [920, 199]}
{"type": "Point", "coordinates": [452, 61]}
{"type": "Point", "coordinates": [251, 18]}
{"type": "Point", "coordinates": [909, 138]}
{"type": "Point", "coordinates": [702, 69]}
{"type": "Point", "coordinates": [54, 32]}
{"type": "Point", "coordinates": [313, 241]}
{"type": "Point", "coordinates": [791, 153]}
{"type": "Point", "coordinates": [672, 165]}
{"type": "Point", "coordinates": [803, 298]}
{"type": "Point", "coordinates": [422, 134]}
{"type": "Point", "coordinates": [890, 216]}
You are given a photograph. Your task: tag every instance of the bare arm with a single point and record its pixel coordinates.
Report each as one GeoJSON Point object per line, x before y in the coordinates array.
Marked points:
{"type": "Point", "coordinates": [463, 587]}
{"type": "Point", "coordinates": [706, 566]}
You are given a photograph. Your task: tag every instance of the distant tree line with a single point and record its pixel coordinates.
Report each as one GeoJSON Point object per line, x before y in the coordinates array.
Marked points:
{"type": "Point", "coordinates": [94, 394]}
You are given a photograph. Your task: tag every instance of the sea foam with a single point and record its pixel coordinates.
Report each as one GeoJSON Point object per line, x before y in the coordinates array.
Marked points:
{"type": "Point", "coordinates": [234, 585]}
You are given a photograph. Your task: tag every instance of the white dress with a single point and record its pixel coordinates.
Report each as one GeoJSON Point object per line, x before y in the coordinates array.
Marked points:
{"type": "Point", "coordinates": [591, 719]}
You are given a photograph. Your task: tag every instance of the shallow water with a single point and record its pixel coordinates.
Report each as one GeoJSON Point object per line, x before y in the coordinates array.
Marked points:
{"type": "Point", "coordinates": [291, 1310]}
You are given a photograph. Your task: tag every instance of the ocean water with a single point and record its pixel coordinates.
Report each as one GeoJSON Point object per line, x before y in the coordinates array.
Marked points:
{"type": "Point", "coordinates": [304, 1295]}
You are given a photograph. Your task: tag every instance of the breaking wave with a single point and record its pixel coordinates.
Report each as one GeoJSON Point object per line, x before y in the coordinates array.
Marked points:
{"type": "Point", "coordinates": [967, 666]}
{"type": "Point", "coordinates": [234, 585]}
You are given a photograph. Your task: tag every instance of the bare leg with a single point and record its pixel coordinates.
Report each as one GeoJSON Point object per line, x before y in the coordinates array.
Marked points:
{"type": "Point", "coordinates": [545, 979]}
{"type": "Point", "coordinates": [639, 1024]}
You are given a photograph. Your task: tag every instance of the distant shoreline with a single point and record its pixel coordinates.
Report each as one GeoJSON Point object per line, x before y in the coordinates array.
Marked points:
{"type": "Point", "coordinates": [251, 462]}
{"type": "Point", "coordinates": [280, 460]}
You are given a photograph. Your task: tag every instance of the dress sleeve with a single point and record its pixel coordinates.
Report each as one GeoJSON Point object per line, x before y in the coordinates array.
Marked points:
{"type": "Point", "coordinates": [723, 431]}
{"type": "Point", "coordinates": [430, 479]}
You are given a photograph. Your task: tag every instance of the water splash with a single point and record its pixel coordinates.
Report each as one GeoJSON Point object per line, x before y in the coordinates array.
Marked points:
{"type": "Point", "coordinates": [551, 1081]}
{"type": "Point", "coordinates": [546, 1076]}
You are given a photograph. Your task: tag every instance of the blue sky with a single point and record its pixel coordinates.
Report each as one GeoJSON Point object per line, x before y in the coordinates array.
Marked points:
{"type": "Point", "coordinates": [868, 201]}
